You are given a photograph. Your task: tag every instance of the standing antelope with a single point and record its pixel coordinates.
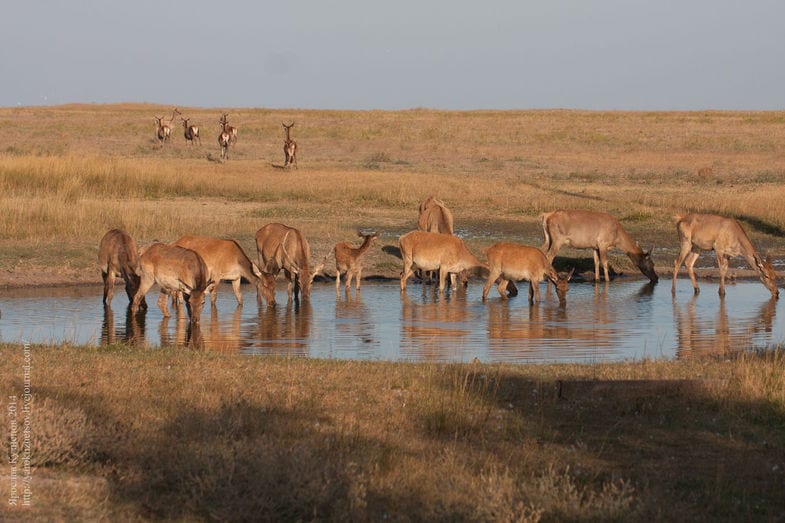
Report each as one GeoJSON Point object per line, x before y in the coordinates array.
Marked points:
{"type": "Point", "coordinates": [432, 251]}
{"type": "Point", "coordinates": [281, 247]}
{"type": "Point", "coordinates": [598, 231]}
{"type": "Point", "coordinates": [225, 127]}
{"type": "Point", "coordinates": [348, 259]}
{"type": "Point", "coordinates": [118, 255]}
{"type": "Point", "coordinates": [509, 262]}
{"type": "Point", "coordinates": [224, 139]}
{"type": "Point", "coordinates": [435, 216]}
{"type": "Point", "coordinates": [707, 232]}
{"type": "Point", "coordinates": [175, 270]}
{"type": "Point", "coordinates": [226, 260]}
{"type": "Point", "coordinates": [289, 147]}
{"type": "Point", "coordinates": [191, 132]}
{"type": "Point", "coordinates": [162, 130]}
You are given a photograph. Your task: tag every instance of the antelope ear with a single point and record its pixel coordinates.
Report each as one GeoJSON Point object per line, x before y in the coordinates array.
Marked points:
{"type": "Point", "coordinates": [185, 286]}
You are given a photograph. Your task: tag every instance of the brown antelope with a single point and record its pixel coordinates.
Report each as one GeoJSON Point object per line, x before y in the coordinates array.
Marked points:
{"type": "Point", "coordinates": [432, 251]}
{"type": "Point", "coordinates": [175, 270]}
{"type": "Point", "coordinates": [226, 260]}
{"type": "Point", "coordinates": [289, 147]}
{"type": "Point", "coordinates": [224, 139]}
{"type": "Point", "coordinates": [707, 232]}
{"type": "Point", "coordinates": [118, 255]}
{"type": "Point", "coordinates": [191, 132]}
{"type": "Point", "coordinates": [284, 248]}
{"type": "Point", "coordinates": [435, 216]}
{"type": "Point", "coordinates": [598, 231]}
{"type": "Point", "coordinates": [225, 127]}
{"type": "Point", "coordinates": [510, 262]}
{"type": "Point", "coordinates": [162, 130]}
{"type": "Point", "coordinates": [348, 259]}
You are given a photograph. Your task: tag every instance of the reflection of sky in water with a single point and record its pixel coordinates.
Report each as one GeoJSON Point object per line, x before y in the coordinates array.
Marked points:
{"type": "Point", "coordinates": [629, 320]}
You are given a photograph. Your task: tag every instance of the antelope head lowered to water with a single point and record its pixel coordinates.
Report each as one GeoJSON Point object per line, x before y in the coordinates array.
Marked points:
{"type": "Point", "coordinates": [510, 262]}
{"type": "Point", "coordinates": [706, 232]}
{"type": "Point", "coordinates": [284, 248]}
{"type": "Point", "coordinates": [598, 231]}
{"type": "Point", "coordinates": [432, 251]}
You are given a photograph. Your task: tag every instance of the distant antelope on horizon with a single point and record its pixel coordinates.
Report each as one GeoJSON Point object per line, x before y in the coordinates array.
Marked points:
{"type": "Point", "coordinates": [224, 121]}
{"type": "Point", "coordinates": [162, 130]}
{"type": "Point", "coordinates": [191, 132]}
{"type": "Point", "coordinates": [289, 147]}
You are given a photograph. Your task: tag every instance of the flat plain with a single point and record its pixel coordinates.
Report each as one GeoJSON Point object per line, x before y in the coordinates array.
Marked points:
{"type": "Point", "coordinates": [133, 434]}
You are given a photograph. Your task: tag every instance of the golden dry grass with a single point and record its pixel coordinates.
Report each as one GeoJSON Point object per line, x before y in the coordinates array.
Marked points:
{"type": "Point", "coordinates": [130, 434]}
{"type": "Point", "coordinates": [69, 173]}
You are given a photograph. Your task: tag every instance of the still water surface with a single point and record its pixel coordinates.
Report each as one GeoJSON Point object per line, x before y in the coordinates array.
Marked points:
{"type": "Point", "coordinates": [623, 321]}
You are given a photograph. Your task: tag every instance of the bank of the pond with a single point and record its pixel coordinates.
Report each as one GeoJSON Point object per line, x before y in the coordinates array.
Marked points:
{"type": "Point", "coordinates": [125, 433]}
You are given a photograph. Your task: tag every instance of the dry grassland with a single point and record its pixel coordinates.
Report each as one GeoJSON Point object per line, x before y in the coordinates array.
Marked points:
{"type": "Point", "coordinates": [122, 433]}
{"type": "Point", "coordinates": [69, 173]}
{"type": "Point", "coordinates": [216, 436]}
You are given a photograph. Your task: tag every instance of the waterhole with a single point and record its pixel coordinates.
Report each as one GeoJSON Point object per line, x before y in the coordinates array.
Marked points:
{"type": "Point", "coordinates": [625, 320]}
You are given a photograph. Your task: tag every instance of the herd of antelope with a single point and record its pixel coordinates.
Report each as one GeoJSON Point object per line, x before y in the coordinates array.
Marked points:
{"type": "Point", "coordinates": [191, 267]}
{"type": "Point", "coordinates": [227, 135]}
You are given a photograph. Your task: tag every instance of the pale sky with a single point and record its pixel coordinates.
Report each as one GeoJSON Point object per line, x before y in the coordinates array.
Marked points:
{"type": "Point", "coordinates": [366, 54]}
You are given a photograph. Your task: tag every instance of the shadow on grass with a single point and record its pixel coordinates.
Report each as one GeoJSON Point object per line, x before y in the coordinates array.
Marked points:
{"type": "Point", "coordinates": [760, 225]}
{"type": "Point", "coordinates": [242, 461]}
{"type": "Point", "coordinates": [691, 449]}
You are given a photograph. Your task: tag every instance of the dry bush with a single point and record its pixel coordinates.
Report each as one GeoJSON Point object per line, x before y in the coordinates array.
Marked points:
{"type": "Point", "coordinates": [59, 435]}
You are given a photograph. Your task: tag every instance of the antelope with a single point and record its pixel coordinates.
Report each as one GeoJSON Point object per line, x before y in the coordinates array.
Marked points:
{"type": "Point", "coordinates": [226, 260]}
{"type": "Point", "coordinates": [162, 130]}
{"type": "Point", "coordinates": [175, 270]}
{"type": "Point", "coordinates": [432, 251]}
{"type": "Point", "coordinates": [509, 262]}
{"type": "Point", "coordinates": [191, 132]}
{"type": "Point", "coordinates": [289, 147]}
{"type": "Point", "coordinates": [224, 139]}
{"type": "Point", "coordinates": [707, 232]}
{"type": "Point", "coordinates": [118, 255]}
{"type": "Point", "coordinates": [598, 231]}
{"type": "Point", "coordinates": [348, 259]}
{"type": "Point", "coordinates": [225, 127]}
{"type": "Point", "coordinates": [435, 216]}
{"type": "Point", "coordinates": [281, 247]}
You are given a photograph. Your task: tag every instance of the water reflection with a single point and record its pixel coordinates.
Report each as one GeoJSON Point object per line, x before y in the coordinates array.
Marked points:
{"type": "Point", "coordinates": [701, 335]}
{"type": "Point", "coordinates": [352, 317]}
{"type": "Point", "coordinates": [284, 330]}
{"type": "Point", "coordinates": [601, 322]}
{"type": "Point", "coordinates": [434, 326]}
{"type": "Point", "coordinates": [131, 332]}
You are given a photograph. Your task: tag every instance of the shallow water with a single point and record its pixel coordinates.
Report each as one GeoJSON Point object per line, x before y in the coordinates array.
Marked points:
{"type": "Point", "coordinates": [625, 320]}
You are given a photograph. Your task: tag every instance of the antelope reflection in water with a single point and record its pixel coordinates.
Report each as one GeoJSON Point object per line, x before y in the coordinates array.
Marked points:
{"type": "Point", "coordinates": [700, 337]}
{"type": "Point", "coordinates": [228, 338]}
{"type": "Point", "coordinates": [528, 327]}
{"type": "Point", "coordinates": [284, 330]}
{"type": "Point", "coordinates": [351, 316]}
{"type": "Point", "coordinates": [437, 326]}
{"type": "Point", "coordinates": [132, 334]}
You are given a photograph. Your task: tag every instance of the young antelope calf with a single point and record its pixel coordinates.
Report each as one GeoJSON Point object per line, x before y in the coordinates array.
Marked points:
{"type": "Point", "coordinates": [348, 259]}
{"type": "Point", "coordinates": [510, 262]}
